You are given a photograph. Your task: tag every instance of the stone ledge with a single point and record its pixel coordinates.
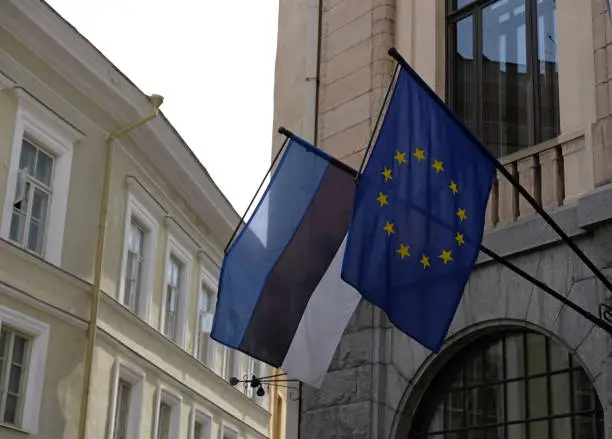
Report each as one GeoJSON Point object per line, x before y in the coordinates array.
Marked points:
{"type": "Point", "coordinates": [531, 233]}
{"type": "Point", "coordinates": [595, 207]}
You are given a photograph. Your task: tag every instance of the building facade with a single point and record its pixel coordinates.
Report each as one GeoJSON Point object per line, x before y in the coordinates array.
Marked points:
{"type": "Point", "coordinates": [155, 373]}
{"type": "Point", "coordinates": [531, 78]}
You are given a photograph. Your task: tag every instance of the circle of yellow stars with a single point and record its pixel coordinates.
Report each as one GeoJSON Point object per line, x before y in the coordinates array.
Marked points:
{"type": "Point", "coordinates": [446, 256]}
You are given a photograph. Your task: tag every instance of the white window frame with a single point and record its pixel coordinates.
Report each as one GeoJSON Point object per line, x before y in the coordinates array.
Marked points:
{"type": "Point", "coordinates": [44, 127]}
{"type": "Point", "coordinates": [134, 376]}
{"type": "Point", "coordinates": [174, 400]}
{"type": "Point", "coordinates": [147, 214]}
{"type": "Point", "coordinates": [180, 247]}
{"type": "Point", "coordinates": [230, 429]}
{"type": "Point", "coordinates": [202, 416]}
{"type": "Point", "coordinates": [35, 376]}
{"type": "Point", "coordinates": [207, 280]}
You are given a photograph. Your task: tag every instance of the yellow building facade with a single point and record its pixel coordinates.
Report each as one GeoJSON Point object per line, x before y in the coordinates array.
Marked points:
{"type": "Point", "coordinates": [155, 373]}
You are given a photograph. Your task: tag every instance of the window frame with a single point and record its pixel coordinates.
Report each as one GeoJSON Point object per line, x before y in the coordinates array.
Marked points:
{"type": "Point", "coordinates": [198, 414]}
{"type": "Point", "coordinates": [474, 9]}
{"type": "Point", "coordinates": [174, 400]}
{"type": "Point", "coordinates": [179, 246]}
{"type": "Point", "coordinates": [146, 212]}
{"type": "Point", "coordinates": [124, 371]}
{"type": "Point", "coordinates": [39, 333]}
{"type": "Point", "coordinates": [209, 285]}
{"type": "Point", "coordinates": [57, 137]}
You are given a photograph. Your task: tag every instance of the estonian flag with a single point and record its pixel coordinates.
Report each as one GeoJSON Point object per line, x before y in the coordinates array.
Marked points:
{"type": "Point", "coordinates": [281, 298]}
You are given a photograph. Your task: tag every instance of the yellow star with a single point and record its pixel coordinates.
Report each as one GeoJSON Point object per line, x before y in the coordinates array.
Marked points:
{"type": "Point", "coordinates": [462, 215]}
{"type": "Point", "coordinates": [382, 199]}
{"type": "Point", "coordinates": [400, 157]}
{"type": "Point", "coordinates": [419, 154]}
{"type": "Point", "coordinates": [387, 174]}
{"type": "Point", "coordinates": [389, 228]}
{"type": "Point", "coordinates": [453, 187]}
{"type": "Point", "coordinates": [438, 166]}
{"type": "Point", "coordinates": [425, 262]}
{"type": "Point", "coordinates": [446, 256]}
{"type": "Point", "coordinates": [404, 250]}
{"type": "Point", "coordinates": [459, 239]}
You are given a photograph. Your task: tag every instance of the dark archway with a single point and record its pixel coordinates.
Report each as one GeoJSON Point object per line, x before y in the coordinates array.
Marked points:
{"type": "Point", "coordinates": [513, 384]}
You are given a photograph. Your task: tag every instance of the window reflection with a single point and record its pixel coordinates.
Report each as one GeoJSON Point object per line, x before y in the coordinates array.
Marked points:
{"type": "Point", "coordinates": [504, 71]}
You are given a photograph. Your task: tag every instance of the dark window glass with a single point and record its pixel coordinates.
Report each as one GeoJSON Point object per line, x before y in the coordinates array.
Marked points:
{"type": "Point", "coordinates": [503, 71]}
{"type": "Point", "coordinates": [544, 394]}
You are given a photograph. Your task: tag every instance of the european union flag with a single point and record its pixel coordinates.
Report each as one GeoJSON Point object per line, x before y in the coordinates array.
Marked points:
{"type": "Point", "coordinates": [419, 211]}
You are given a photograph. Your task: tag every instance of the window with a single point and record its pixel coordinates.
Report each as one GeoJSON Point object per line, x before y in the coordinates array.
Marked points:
{"type": "Point", "coordinates": [122, 411]}
{"type": "Point", "coordinates": [23, 354]}
{"type": "Point", "coordinates": [177, 286]}
{"type": "Point", "coordinates": [167, 424]}
{"type": "Point", "coordinates": [14, 352]}
{"type": "Point", "coordinates": [503, 71]}
{"type": "Point", "coordinates": [513, 384]}
{"type": "Point", "coordinates": [229, 433]}
{"type": "Point", "coordinates": [139, 249]}
{"type": "Point", "coordinates": [38, 181]}
{"type": "Point", "coordinates": [172, 297]}
{"type": "Point", "coordinates": [32, 198]}
{"type": "Point", "coordinates": [133, 275]}
{"type": "Point", "coordinates": [206, 310]}
{"type": "Point", "coordinates": [201, 425]}
{"type": "Point", "coordinates": [165, 411]}
{"type": "Point", "coordinates": [126, 405]}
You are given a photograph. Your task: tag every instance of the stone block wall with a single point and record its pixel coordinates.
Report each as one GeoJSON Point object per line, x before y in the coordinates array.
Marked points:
{"type": "Point", "coordinates": [355, 72]}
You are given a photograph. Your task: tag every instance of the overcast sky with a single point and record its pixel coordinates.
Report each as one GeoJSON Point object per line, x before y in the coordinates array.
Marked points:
{"type": "Point", "coordinates": [213, 61]}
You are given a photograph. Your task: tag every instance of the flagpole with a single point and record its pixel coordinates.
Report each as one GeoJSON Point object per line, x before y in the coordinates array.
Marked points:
{"type": "Point", "coordinates": [401, 61]}
{"type": "Point", "coordinates": [282, 131]}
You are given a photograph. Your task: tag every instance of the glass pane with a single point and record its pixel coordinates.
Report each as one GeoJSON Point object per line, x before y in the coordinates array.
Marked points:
{"type": "Point", "coordinates": [515, 358]}
{"type": "Point", "coordinates": [3, 342]}
{"type": "Point", "coordinates": [562, 428]}
{"type": "Point", "coordinates": [473, 370]}
{"type": "Point", "coordinates": [492, 403]}
{"type": "Point", "coordinates": [454, 411]}
{"type": "Point", "coordinates": [36, 236]}
{"type": "Point", "coordinates": [203, 299]}
{"type": "Point", "coordinates": [536, 354]}
{"type": "Point", "coordinates": [494, 433]}
{"type": "Point", "coordinates": [44, 168]}
{"type": "Point", "coordinates": [493, 367]}
{"type": "Point", "coordinates": [198, 431]}
{"type": "Point", "coordinates": [558, 356]}
{"type": "Point", "coordinates": [584, 394]}
{"type": "Point", "coordinates": [560, 393]}
{"type": "Point", "coordinates": [548, 70]}
{"type": "Point", "coordinates": [517, 431]}
{"type": "Point", "coordinates": [39, 205]}
{"type": "Point", "coordinates": [505, 82]}
{"type": "Point", "coordinates": [463, 86]}
{"type": "Point", "coordinates": [462, 3]}
{"type": "Point", "coordinates": [15, 379]}
{"type": "Point", "coordinates": [515, 400]}
{"type": "Point", "coordinates": [17, 226]}
{"type": "Point", "coordinates": [538, 429]}
{"type": "Point", "coordinates": [19, 349]}
{"type": "Point", "coordinates": [538, 397]}
{"type": "Point", "coordinates": [585, 427]}
{"type": "Point", "coordinates": [10, 411]}
{"type": "Point", "coordinates": [28, 157]}
{"type": "Point", "coordinates": [474, 410]}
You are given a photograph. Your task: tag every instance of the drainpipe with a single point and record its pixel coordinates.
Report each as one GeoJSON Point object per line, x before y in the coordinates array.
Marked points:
{"type": "Point", "coordinates": [311, 70]}
{"type": "Point", "coordinates": [156, 101]}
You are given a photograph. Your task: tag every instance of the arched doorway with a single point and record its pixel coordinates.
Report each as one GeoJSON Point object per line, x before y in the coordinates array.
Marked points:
{"type": "Point", "coordinates": [514, 384]}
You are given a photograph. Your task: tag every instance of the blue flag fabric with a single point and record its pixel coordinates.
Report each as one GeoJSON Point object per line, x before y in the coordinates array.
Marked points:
{"type": "Point", "coordinates": [418, 216]}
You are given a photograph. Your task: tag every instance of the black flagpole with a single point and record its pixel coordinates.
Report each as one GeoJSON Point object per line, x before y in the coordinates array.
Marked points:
{"type": "Point", "coordinates": [395, 55]}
